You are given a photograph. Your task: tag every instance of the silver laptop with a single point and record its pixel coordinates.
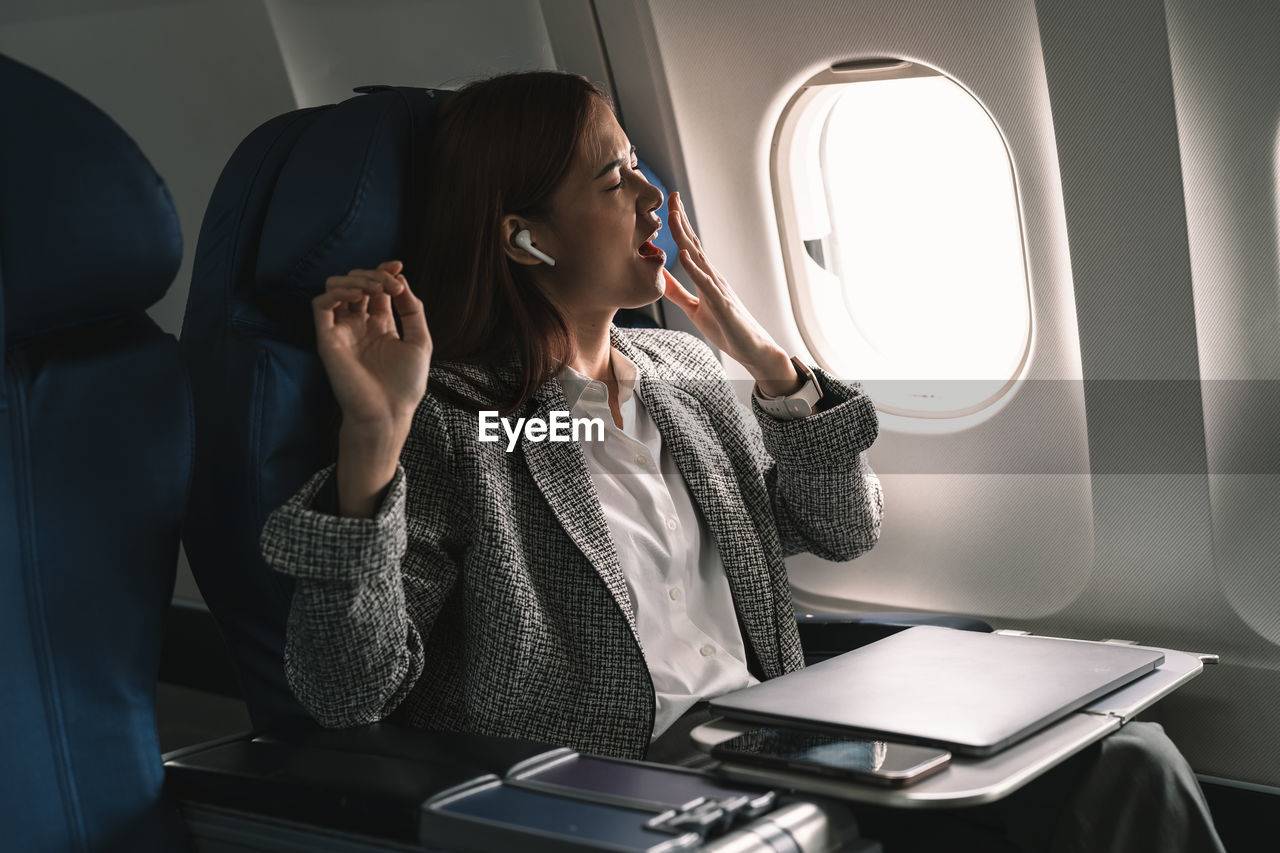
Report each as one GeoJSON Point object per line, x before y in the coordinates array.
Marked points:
{"type": "Point", "coordinates": [970, 692]}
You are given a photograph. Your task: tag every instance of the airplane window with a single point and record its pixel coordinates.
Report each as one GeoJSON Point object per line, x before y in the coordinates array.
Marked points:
{"type": "Point", "coordinates": [902, 237]}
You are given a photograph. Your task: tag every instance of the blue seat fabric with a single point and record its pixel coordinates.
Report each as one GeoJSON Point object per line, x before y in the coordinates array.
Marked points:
{"type": "Point", "coordinates": [95, 461]}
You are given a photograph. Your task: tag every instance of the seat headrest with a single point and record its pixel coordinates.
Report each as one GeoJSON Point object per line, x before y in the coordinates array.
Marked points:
{"type": "Point", "coordinates": [346, 188]}
{"type": "Point", "coordinates": [87, 228]}
{"type": "Point", "coordinates": [344, 191]}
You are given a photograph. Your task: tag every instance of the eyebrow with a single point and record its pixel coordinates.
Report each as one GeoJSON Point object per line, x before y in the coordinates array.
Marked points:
{"type": "Point", "coordinates": [613, 164]}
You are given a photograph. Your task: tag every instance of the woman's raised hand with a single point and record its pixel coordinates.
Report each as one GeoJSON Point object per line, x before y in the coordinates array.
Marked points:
{"type": "Point", "coordinates": [720, 315]}
{"type": "Point", "coordinates": [378, 376]}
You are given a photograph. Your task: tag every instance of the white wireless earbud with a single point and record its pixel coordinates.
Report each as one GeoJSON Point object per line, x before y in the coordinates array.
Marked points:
{"type": "Point", "coordinates": [525, 241]}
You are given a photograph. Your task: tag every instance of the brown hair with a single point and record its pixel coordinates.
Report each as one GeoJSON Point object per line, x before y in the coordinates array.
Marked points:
{"type": "Point", "coordinates": [501, 146]}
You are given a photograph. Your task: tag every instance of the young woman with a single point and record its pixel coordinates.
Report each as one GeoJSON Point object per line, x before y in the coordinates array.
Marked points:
{"type": "Point", "coordinates": [585, 593]}
{"type": "Point", "coordinates": [588, 593]}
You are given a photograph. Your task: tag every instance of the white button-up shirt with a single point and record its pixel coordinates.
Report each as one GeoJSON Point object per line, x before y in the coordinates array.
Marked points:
{"type": "Point", "coordinates": [684, 611]}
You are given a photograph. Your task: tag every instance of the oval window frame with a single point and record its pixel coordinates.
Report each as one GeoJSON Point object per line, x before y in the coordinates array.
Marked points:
{"type": "Point", "coordinates": [801, 109]}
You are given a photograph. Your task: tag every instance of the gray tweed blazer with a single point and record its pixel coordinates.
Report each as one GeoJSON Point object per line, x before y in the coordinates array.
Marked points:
{"type": "Point", "coordinates": [486, 595]}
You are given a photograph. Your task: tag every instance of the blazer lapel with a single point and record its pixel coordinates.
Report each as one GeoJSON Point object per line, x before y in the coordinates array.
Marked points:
{"type": "Point", "coordinates": [560, 472]}
{"type": "Point", "coordinates": [687, 430]}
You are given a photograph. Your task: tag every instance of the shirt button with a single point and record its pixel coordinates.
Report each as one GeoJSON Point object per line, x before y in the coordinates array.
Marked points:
{"type": "Point", "coordinates": [674, 593]}
{"type": "Point", "coordinates": [708, 651]}
{"type": "Point", "coordinates": [672, 524]}
{"type": "Point", "coordinates": [640, 460]}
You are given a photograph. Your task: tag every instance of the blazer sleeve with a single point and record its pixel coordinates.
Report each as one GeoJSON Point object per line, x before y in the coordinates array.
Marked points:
{"type": "Point", "coordinates": [367, 590]}
{"type": "Point", "coordinates": [826, 499]}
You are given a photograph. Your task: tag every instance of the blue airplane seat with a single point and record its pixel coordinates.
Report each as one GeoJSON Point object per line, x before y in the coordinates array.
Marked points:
{"type": "Point", "coordinates": [308, 194]}
{"type": "Point", "coordinates": [95, 463]}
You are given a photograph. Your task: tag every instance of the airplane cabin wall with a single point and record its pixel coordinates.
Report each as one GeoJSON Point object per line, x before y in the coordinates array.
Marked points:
{"type": "Point", "coordinates": [728, 92]}
{"type": "Point", "coordinates": [1226, 81]}
{"type": "Point", "coordinates": [329, 43]}
{"type": "Point", "coordinates": [1079, 508]}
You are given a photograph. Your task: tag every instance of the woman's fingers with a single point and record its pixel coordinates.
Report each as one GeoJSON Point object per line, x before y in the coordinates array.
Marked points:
{"type": "Point", "coordinates": [371, 280]}
{"type": "Point", "coordinates": [692, 257]}
{"type": "Point", "coordinates": [708, 284]}
{"type": "Point", "coordinates": [685, 226]}
{"type": "Point", "coordinates": [691, 254]}
{"type": "Point", "coordinates": [336, 296]}
{"type": "Point", "coordinates": [322, 311]}
{"type": "Point", "coordinates": [676, 292]}
{"type": "Point", "coordinates": [339, 307]}
{"type": "Point", "coordinates": [380, 315]}
{"type": "Point", "coordinates": [389, 281]}
{"type": "Point", "coordinates": [370, 295]}
{"type": "Point", "coordinates": [683, 216]}
{"type": "Point", "coordinates": [387, 285]}
{"type": "Point", "coordinates": [365, 292]}
{"type": "Point", "coordinates": [413, 320]}
{"type": "Point", "coordinates": [676, 220]}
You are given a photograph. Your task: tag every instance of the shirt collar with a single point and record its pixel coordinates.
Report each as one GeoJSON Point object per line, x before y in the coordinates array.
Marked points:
{"type": "Point", "coordinates": [574, 384]}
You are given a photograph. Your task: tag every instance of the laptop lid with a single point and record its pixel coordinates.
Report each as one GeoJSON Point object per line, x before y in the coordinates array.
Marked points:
{"type": "Point", "coordinates": [971, 692]}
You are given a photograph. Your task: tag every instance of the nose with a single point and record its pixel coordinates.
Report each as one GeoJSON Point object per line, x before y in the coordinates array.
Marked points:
{"type": "Point", "coordinates": [650, 197]}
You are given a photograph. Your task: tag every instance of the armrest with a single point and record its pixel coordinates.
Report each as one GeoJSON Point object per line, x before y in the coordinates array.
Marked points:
{"type": "Point", "coordinates": [825, 635]}
{"type": "Point", "coordinates": [370, 779]}
{"type": "Point", "coordinates": [381, 787]}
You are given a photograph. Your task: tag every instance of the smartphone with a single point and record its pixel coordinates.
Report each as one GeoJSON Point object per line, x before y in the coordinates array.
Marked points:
{"type": "Point", "coordinates": [854, 759]}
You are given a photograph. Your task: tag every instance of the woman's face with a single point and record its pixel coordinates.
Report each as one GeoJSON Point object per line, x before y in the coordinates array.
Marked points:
{"type": "Point", "coordinates": [602, 216]}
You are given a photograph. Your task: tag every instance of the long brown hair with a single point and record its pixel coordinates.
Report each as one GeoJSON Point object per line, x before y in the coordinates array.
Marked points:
{"type": "Point", "coordinates": [501, 146]}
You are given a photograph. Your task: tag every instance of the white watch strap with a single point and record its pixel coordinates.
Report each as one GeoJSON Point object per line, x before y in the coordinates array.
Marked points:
{"type": "Point", "coordinates": [798, 404]}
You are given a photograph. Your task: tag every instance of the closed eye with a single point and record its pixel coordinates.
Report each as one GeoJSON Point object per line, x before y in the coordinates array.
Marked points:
{"type": "Point", "coordinates": [618, 185]}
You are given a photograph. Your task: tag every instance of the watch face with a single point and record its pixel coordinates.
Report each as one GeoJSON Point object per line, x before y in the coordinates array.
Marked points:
{"type": "Point", "coordinates": [802, 368]}
{"type": "Point", "coordinates": [810, 379]}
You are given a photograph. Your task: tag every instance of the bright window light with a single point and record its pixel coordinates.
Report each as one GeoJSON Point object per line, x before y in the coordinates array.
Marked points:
{"type": "Point", "coordinates": [904, 245]}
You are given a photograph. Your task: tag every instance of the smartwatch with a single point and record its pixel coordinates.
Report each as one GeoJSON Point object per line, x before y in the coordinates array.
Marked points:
{"type": "Point", "coordinates": [798, 404]}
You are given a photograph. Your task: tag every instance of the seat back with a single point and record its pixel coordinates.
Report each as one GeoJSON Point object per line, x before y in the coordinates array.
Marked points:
{"type": "Point", "coordinates": [95, 457]}
{"type": "Point", "coordinates": [307, 195]}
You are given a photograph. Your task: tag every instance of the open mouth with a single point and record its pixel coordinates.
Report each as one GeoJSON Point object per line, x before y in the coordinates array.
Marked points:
{"type": "Point", "coordinates": [652, 252]}
{"type": "Point", "coordinates": [649, 251]}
